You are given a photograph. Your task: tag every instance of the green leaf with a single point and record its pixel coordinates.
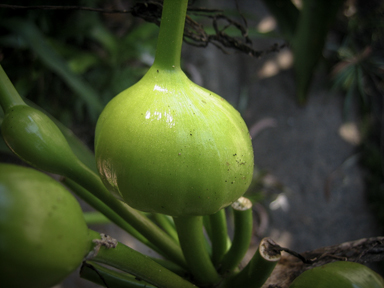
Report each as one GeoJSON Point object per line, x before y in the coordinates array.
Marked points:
{"type": "Point", "coordinates": [37, 42]}
{"type": "Point", "coordinates": [286, 15]}
{"type": "Point", "coordinates": [308, 42]}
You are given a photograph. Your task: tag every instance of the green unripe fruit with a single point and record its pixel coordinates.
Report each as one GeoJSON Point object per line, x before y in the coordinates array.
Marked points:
{"type": "Point", "coordinates": [36, 139]}
{"type": "Point", "coordinates": [43, 235]}
{"type": "Point", "coordinates": [166, 145]}
{"type": "Point", "coordinates": [340, 274]}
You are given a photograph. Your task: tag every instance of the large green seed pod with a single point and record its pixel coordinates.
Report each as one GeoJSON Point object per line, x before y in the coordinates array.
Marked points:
{"type": "Point", "coordinates": [166, 145]}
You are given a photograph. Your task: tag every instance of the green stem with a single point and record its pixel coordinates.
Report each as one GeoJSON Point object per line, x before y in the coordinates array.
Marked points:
{"type": "Point", "coordinates": [110, 278]}
{"type": "Point", "coordinates": [167, 226]}
{"type": "Point", "coordinates": [106, 211]}
{"type": "Point", "coordinates": [258, 269]}
{"type": "Point", "coordinates": [168, 50]}
{"type": "Point", "coordinates": [8, 94]}
{"type": "Point", "coordinates": [143, 267]}
{"type": "Point", "coordinates": [219, 236]}
{"type": "Point", "coordinates": [85, 177]}
{"type": "Point", "coordinates": [171, 266]}
{"type": "Point", "coordinates": [242, 211]}
{"type": "Point", "coordinates": [207, 225]}
{"type": "Point", "coordinates": [192, 242]}
{"type": "Point", "coordinates": [95, 218]}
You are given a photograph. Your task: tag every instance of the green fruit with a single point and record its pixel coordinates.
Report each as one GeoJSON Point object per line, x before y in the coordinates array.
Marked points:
{"type": "Point", "coordinates": [43, 235]}
{"type": "Point", "coordinates": [340, 274]}
{"type": "Point", "coordinates": [166, 145]}
{"type": "Point", "coordinates": [36, 139]}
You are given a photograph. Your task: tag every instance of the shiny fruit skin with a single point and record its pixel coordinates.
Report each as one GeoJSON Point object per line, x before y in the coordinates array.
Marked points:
{"type": "Point", "coordinates": [340, 274]}
{"type": "Point", "coordinates": [43, 235]}
{"type": "Point", "coordinates": [168, 146]}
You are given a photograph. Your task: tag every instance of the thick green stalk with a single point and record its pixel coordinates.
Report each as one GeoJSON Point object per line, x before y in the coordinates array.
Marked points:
{"type": "Point", "coordinates": [219, 236]}
{"type": "Point", "coordinates": [166, 224]}
{"type": "Point", "coordinates": [143, 267]}
{"type": "Point", "coordinates": [192, 242]}
{"type": "Point", "coordinates": [8, 94]}
{"type": "Point", "coordinates": [171, 266]}
{"type": "Point", "coordinates": [90, 181]}
{"type": "Point", "coordinates": [242, 211]}
{"type": "Point", "coordinates": [110, 278]}
{"type": "Point", "coordinates": [258, 269]}
{"type": "Point", "coordinates": [168, 50]}
{"type": "Point", "coordinates": [106, 211]}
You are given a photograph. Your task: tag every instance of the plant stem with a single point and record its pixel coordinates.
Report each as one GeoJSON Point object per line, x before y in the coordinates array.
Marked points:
{"type": "Point", "coordinates": [258, 269]}
{"type": "Point", "coordinates": [219, 236]}
{"type": "Point", "coordinates": [110, 278]}
{"type": "Point", "coordinates": [83, 176]}
{"type": "Point", "coordinates": [168, 50]}
{"type": "Point", "coordinates": [143, 267]}
{"type": "Point", "coordinates": [242, 211]}
{"type": "Point", "coordinates": [192, 242]}
{"type": "Point", "coordinates": [107, 212]}
{"type": "Point", "coordinates": [171, 266]}
{"type": "Point", "coordinates": [166, 224]}
{"type": "Point", "coordinates": [8, 94]}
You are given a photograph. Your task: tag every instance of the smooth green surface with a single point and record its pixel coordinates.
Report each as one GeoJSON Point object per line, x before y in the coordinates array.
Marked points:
{"type": "Point", "coordinates": [169, 146]}
{"type": "Point", "coordinates": [43, 235]}
{"type": "Point", "coordinates": [35, 138]}
{"type": "Point", "coordinates": [340, 274]}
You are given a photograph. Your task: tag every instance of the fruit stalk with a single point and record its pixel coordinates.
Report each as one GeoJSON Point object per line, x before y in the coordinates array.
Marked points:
{"type": "Point", "coordinates": [143, 267]}
{"type": "Point", "coordinates": [258, 269]}
{"type": "Point", "coordinates": [192, 242]}
{"type": "Point", "coordinates": [242, 211]}
{"type": "Point", "coordinates": [8, 94]}
{"type": "Point", "coordinates": [218, 236]}
{"type": "Point", "coordinates": [168, 49]}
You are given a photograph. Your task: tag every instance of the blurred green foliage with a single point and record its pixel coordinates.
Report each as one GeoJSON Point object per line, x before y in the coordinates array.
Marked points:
{"type": "Point", "coordinates": [72, 62]}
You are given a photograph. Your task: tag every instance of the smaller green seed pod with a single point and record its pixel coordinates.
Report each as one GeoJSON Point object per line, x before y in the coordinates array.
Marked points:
{"type": "Point", "coordinates": [340, 274]}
